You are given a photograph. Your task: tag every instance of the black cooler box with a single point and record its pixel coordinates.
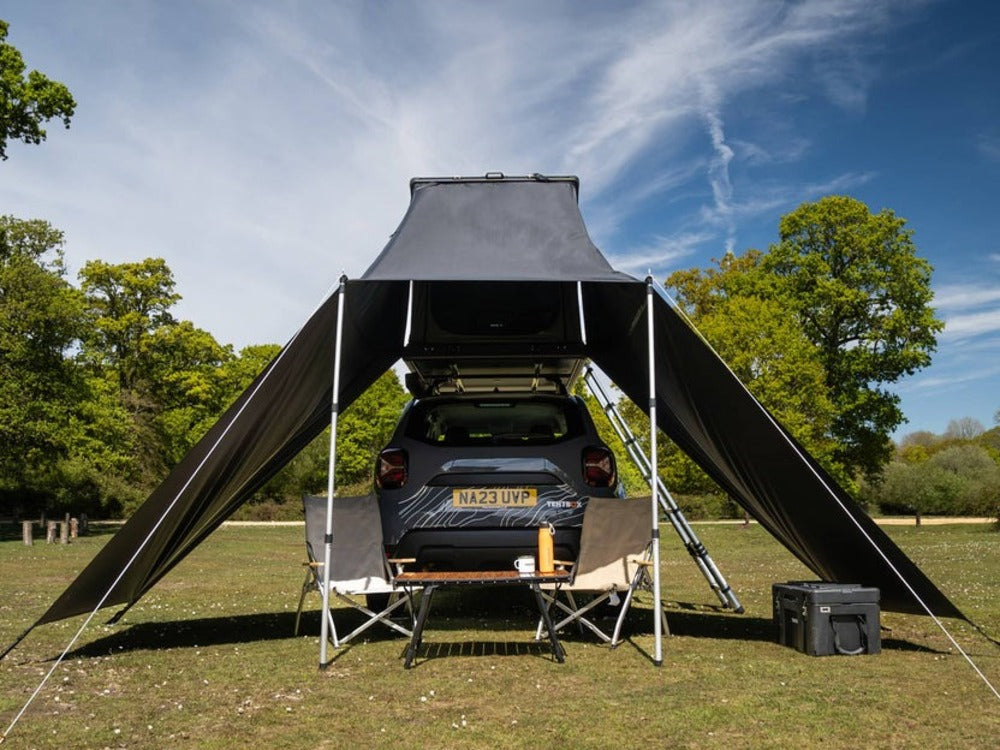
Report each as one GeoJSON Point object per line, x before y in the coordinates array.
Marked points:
{"type": "Point", "coordinates": [821, 618]}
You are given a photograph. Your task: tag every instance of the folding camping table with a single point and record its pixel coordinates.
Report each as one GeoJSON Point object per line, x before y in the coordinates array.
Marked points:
{"type": "Point", "coordinates": [430, 581]}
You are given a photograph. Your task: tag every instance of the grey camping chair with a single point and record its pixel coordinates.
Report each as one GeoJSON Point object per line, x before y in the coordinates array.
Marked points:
{"type": "Point", "coordinates": [358, 566]}
{"type": "Point", "coordinates": [614, 561]}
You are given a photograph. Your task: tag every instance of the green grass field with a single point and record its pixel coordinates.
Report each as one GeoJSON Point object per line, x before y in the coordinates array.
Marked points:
{"type": "Point", "coordinates": [208, 659]}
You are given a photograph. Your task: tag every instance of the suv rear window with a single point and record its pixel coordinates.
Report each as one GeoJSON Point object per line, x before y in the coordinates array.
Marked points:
{"type": "Point", "coordinates": [494, 421]}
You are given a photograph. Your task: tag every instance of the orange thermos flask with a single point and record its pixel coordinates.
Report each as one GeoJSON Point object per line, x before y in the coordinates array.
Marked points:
{"type": "Point", "coordinates": [545, 556]}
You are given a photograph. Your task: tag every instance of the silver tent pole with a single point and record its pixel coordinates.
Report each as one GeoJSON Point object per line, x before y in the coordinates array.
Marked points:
{"type": "Point", "coordinates": [330, 482]}
{"type": "Point", "coordinates": [657, 604]}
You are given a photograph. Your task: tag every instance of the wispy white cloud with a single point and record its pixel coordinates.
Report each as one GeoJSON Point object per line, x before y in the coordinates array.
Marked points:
{"type": "Point", "coordinates": [961, 296]}
{"type": "Point", "coordinates": [718, 170]}
{"type": "Point", "coordinates": [989, 145]}
{"type": "Point", "coordinates": [839, 184]}
{"type": "Point", "coordinates": [952, 380]}
{"type": "Point", "coordinates": [969, 310]}
{"type": "Point", "coordinates": [661, 252]}
{"type": "Point", "coordinates": [263, 147]}
{"type": "Point", "coordinates": [972, 324]}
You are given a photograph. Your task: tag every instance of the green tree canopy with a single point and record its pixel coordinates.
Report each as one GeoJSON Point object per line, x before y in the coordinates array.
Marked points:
{"type": "Point", "coordinates": [863, 297]}
{"type": "Point", "coordinates": [40, 315]}
{"type": "Point", "coordinates": [364, 428]}
{"type": "Point", "coordinates": [128, 302]}
{"type": "Point", "coordinates": [27, 102]}
{"type": "Point", "coordinates": [170, 377]}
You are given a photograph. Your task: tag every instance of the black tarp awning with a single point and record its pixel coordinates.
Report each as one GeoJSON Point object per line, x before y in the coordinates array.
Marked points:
{"type": "Point", "coordinates": [484, 231]}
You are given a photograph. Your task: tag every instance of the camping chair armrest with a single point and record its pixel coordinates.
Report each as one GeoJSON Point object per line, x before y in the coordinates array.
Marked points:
{"type": "Point", "coordinates": [313, 564]}
{"type": "Point", "coordinates": [399, 562]}
{"type": "Point", "coordinates": [564, 563]}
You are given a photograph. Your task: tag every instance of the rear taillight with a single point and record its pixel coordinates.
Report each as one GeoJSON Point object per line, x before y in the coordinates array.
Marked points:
{"type": "Point", "coordinates": [390, 469]}
{"type": "Point", "coordinates": [599, 467]}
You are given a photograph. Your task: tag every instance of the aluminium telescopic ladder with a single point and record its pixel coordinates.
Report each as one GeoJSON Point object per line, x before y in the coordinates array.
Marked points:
{"type": "Point", "coordinates": [669, 506]}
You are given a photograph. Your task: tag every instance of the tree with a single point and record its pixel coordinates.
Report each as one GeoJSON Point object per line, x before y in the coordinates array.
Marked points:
{"type": "Point", "coordinates": [128, 302]}
{"type": "Point", "coordinates": [923, 438]}
{"type": "Point", "coordinates": [767, 351]}
{"type": "Point", "coordinates": [737, 309]}
{"type": "Point", "coordinates": [964, 428]}
{"type": "Point", "coordinates": [168, 375]}
{"type": "Point", "coordinates": [40, 388]}
{"type": "Point", "coordinates": [918, 488]}
{"type": "Point", "coordinates": [863, 297]}
{"type": "Point", "coordinates": [25, 103]}
{"type": "Point", "coordinates": [186, 385]}
{"type": "Point", "coordinates": [978, 491]}
{"type": "Point", "coordinates": [960, 480]}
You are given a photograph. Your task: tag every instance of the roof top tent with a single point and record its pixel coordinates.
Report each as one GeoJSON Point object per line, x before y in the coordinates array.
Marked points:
{"type": "Point", "coordinates": [491, 334]}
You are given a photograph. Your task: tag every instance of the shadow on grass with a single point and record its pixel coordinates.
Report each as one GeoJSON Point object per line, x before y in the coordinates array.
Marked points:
{"type": "Point", "coordinates": [470, 610]}
{"type": "Point", "coordinates": [205, 631]}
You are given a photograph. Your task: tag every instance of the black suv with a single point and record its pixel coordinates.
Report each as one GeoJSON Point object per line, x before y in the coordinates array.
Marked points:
{"type": "Point", "coordinates": [468, 478]}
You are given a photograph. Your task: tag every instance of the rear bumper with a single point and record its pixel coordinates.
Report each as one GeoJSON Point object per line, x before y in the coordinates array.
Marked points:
{"type": "Point", "coordinates": [479, 549]}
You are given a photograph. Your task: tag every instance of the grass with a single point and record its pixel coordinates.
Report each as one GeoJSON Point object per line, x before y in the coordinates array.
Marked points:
{"type": "Point", "coordinates": [208, 659]}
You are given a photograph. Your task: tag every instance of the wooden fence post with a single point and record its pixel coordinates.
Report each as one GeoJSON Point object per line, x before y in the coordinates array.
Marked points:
{"type": "Point", "coordinates": [74, 528]}
{"type": "Point", "coordinates": [27, 529]}
{"type": "Point", "coordinates": [50, 532]}
{"type": "Point", "coordinates": [64, 532]}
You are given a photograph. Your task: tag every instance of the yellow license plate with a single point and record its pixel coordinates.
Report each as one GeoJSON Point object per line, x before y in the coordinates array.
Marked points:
{"type": "Point", "coordinates": [494, 497]}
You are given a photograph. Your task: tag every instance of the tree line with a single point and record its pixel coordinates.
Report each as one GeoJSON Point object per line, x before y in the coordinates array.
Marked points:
{"type": "Point", "coordinates": [956, 474]}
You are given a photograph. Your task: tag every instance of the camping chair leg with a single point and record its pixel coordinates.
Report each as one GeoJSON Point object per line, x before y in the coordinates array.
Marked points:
{"type": "Point", "coordinates": [333, 628]}
{"type": "Point", "coordinates": [306, 586]}
{"type": "Point", "coordinates": [626, 603]}
{"type": "Point", "coordinates": [572, 603]}
{"type": "Point", "coordinates": [641, 579]}
{"type": "Point", "coordinates": [577, 614]}
{"type": "Point", "coordinates": [382, 617]}
{"type": "Point", "coordinates": [582, 622]}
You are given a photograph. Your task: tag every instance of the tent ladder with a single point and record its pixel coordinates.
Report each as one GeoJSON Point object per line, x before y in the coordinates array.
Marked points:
{"type": "Point", "coordinates": [695, 548]}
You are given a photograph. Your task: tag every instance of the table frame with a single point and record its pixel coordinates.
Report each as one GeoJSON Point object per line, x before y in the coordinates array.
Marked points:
{"type": "Point", "coordinates": [430, 581]}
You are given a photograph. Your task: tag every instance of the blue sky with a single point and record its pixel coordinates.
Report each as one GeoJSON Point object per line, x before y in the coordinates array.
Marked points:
{"type": "Point", "coordinates": [262, 148]}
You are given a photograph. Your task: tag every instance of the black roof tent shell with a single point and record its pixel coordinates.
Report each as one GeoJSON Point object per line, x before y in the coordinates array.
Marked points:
{"type": "Point", "coordinates": [502, 229]}
{"type": "Point", "coordinates": [476, 327]}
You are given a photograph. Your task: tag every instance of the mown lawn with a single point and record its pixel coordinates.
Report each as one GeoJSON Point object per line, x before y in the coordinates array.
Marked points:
{"type": "Point", "coordinates": [208, 659]}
